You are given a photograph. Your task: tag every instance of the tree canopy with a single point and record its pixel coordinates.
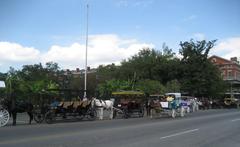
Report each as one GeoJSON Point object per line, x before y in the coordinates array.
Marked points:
{"type": "Point", "coordinates": [199, 76]}
{"type": "Point", "coordinates": [150, 70]}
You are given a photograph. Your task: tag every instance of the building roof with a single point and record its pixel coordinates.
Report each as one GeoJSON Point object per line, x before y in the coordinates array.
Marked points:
{"type": "Point", "coordinates": [215, 56]}
{"type": "Point", "coordinates": [225, 60]}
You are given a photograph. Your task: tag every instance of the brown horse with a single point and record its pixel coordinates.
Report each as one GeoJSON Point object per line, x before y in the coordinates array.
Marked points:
{"type": "Point", "coordinates": [18, 107]}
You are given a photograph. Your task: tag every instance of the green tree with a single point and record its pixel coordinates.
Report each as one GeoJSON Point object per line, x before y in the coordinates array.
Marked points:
{"type": "Point", "coordinates": [152, 64]}
{"type": "Point", "coordinates": [199, 75]}
{"type": "Point", "coordinates": [150, 87]}
{"type": "Point", "coordinates": [173, 86]}
{"type": "Point", "coordinates": [107, 72]}
{"type": "Point", "coordinates": [141, 65]}
{"type": "Point", "coordinates": [30, 82]}
{"type": "Point", "coordinates": [106, 89]}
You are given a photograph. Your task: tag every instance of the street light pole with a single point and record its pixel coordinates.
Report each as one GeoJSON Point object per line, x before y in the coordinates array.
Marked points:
{"type": "Point", "coordinates": [85, 80]}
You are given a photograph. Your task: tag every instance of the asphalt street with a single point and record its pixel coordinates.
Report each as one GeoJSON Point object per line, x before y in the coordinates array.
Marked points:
{"type": "Point", "coordinates": [211, 128]}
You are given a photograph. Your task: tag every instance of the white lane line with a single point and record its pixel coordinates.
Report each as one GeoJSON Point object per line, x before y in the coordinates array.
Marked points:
{"type": "Point", "coordinates": [180, 133]}
{"type": "Point", "coordinates": [235, 120]}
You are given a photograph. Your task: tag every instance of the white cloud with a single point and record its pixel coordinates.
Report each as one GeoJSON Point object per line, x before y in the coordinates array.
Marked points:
{"type": "Point", "coordinates": [199, 36]}
{"type": "Point", "coordinates": [67, 56]}
{"type": "Point", "coordinates": [102, 49]}
{"type": "Point", "coordinates": [13, 52]}
{"type": "Point", "coordinates": [227, 48]}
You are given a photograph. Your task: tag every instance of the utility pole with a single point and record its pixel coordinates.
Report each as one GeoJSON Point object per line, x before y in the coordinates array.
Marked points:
{"type": "Point", "coordinates": [85, 80]}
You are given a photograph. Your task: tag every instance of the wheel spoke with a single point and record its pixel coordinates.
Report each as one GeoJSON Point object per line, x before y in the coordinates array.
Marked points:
{"type": "Point", "coordinates": [4, 117]}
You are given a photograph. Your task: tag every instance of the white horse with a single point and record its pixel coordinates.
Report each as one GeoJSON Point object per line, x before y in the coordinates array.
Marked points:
{"type": "Point", "coordinates": [103, 104]}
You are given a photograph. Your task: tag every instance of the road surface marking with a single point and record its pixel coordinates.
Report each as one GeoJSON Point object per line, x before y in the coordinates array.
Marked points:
{"type": "Point", "coordinates": [235, 120]}
{"type": "Point", "coordinates": [180, 133]}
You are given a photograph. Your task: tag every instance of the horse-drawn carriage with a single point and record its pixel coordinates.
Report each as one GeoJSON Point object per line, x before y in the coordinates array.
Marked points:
{"type": "Point", "coordinates": [190, 103]}
{"type": "Point", "coordinates": [77, 109]}
{"type": "Point", "coordinates": [231, 102]}
{"type": "Point", "coordinates": [4, 114]}
{"type": "Point", "coordinates": [170, 105]}
{"type": "Point", "coordinates": [63, 104]}
{"type": "Point", "coordinates": [129, 103]}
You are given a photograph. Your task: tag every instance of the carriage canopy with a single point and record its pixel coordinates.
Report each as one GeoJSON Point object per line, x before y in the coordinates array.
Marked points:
{"type": "Point", "coordinates": [2, 84]}
{"type": "Point", "coordinates": [129, 93]}
{"type": "Point", "coordinates": [137, 96]}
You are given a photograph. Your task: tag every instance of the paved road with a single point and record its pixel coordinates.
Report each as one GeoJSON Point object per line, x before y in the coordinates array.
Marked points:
{"type": "Point", "coordinates": [212, 128]}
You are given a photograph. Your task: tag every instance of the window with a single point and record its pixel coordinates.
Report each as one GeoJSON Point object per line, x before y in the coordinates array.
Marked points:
{"type": "Point", "coordinates": [214, 60]}
{"type": "Point", "coordinates": [230, 74]}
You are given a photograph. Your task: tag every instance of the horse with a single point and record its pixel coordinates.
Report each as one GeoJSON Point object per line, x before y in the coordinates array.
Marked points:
{"type": "Point", "coordinates": [154, 107]}
{"type": "Point", "coordinates": [204, 104]}
{"type": "Point", "coordinates": [20, 107]}
{"type": "Point", "coordinates": [193, 104]}
{"type": "Point", "coordinates": [103, 104]}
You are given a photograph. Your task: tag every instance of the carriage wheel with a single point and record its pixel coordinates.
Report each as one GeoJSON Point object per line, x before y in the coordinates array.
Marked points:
{"type": "Point", "coordinates": [49, 117]}
{"type": "Point", "coordinates": [141, 113]}
{"type": "Point", "coordinates": [80, 116]}
{"type": "Point", "coordinates": [125, 114]}
{"type": "Point", "coordinates": [114, 113]}
{"type": "Point", "coordinates": [38, 117]}
{"type": "Point", "coordinates": [92, 114]}
{"type": "Point", "coordinates": [4, 117]}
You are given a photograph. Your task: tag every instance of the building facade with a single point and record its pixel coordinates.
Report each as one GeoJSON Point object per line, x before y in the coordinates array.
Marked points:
{"type": "Point", "coordinates": [230, 71]}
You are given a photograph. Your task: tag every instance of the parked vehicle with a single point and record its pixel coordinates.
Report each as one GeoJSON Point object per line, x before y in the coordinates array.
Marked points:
{"type": "Point", "coordinates": [129, 103]}
{"type": "Point", "coordinates": [71, 109]}
{"type": "Point", "coordinates": [170, 105]}
{"type": "Point", "coordinates": [231, 102]}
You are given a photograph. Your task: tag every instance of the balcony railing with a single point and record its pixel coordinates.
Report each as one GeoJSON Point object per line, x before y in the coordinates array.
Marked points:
{"type": "Point", "coordinates": [231, 78]}
{"type": "Point", "coordinates": [234, 90]}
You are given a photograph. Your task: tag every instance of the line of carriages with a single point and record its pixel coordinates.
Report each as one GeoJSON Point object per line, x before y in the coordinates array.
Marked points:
{"type": "Point", "coordinates": [124, 104]}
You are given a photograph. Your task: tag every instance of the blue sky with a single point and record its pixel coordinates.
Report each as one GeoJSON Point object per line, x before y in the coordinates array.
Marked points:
{"type": "Point", "coordinates": [34, 31]}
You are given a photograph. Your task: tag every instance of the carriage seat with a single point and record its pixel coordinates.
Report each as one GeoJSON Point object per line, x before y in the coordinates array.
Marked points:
{"type": "Point", "coordinates": [60, 104]}
{"type": "Point", "coordinates": [67, 104]}
{"type": "Point", "coordinates": [85, 103]}
{"type": "Point", "coordinates": [76, 104]}
{"type": "Point", "coordinates": [124, 101]}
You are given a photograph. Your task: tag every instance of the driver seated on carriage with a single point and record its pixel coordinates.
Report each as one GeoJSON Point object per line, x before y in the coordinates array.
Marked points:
{"type": "Point", "coordinates": [55, 103]}
{"type": "Point", "coordinates": [168, 101]}
{"type": "Point", "coordinates": [170, 98]}
{"type": "Point", "coordinates": [58, 106]}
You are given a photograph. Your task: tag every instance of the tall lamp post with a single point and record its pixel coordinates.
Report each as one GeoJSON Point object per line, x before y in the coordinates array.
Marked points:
{"type": "Point", "coordinates": [85, 80]}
